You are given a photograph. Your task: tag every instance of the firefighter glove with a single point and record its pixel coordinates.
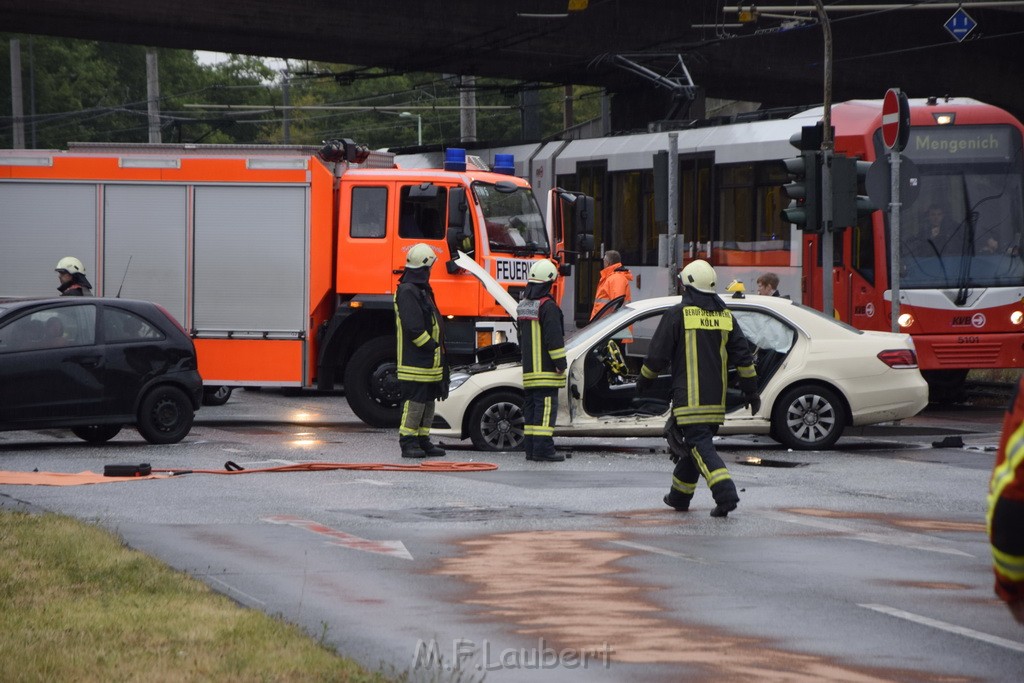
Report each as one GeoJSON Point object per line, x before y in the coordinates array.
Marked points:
{"type": "Point", "coordinates": [753, 400]}
{"type": "Point", "coordinates": [643, 385]}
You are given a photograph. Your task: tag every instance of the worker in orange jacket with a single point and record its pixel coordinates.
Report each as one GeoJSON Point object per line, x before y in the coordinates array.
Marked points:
{"type": "Point", "coordinates": [1006, 509]}
{"type": "Point", "coordinates": [615, 279]}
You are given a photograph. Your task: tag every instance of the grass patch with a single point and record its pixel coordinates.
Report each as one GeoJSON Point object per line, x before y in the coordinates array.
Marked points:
{"type": "Point", "coordinates": [76, 604]}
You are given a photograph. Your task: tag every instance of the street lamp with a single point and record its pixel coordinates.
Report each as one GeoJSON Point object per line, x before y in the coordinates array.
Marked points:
{"type": "Point", "coordinates": [419, 126]}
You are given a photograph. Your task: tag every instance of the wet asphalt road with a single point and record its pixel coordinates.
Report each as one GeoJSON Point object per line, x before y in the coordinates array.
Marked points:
{"type": "Point", "coordinates": [868, 562]}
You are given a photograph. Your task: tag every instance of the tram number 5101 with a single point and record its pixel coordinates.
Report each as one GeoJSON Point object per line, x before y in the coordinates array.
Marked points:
{"type": "Point", "coordinates": [968, 340]}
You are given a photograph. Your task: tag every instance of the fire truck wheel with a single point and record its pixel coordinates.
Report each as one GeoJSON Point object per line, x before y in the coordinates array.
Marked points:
{"type": "Point", "coordinates": [496, 422]}
{"type": "Point", "coordinates": [96, 433]}
{"type": "Point", "coordinates": [165, 415]}
{"type": "Point", "coordinates": [216, 396]}
{"type": "Point", "coordinates": [371, 383]}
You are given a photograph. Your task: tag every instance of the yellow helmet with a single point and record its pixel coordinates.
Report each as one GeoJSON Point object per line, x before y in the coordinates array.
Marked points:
{"type": "Point", "coordinates": [700, 275]}
{"type": "Point", "coordinates": [71, 265]}
{"type": "Point", "coordinates": [419, 256]}
{"type": "Point", "coordinates": [543, 271]}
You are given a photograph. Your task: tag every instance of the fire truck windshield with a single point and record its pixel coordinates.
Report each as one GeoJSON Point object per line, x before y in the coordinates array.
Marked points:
{"type": "Point", "coordinates": [513, 220]}
{"type": "Point", "coordinates": [964, 229]}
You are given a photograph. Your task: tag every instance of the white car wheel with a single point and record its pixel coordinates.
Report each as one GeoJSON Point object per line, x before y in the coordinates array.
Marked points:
{"type": "Point", "coordinates": [808, 417]}
{"type": "Point", "coordinates": [496, 422]}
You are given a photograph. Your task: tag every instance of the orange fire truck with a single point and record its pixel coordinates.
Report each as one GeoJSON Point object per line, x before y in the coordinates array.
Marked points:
{"type": "Point", "coordinates": [281, 261]}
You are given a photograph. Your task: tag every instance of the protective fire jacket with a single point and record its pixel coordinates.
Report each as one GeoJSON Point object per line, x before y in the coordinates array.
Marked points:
{"type": "Point", "coordinates": [420, 332]}
{"type": "Point", "coordinates": [698, 338]}
{"type": "Point", "coordinates": [1006, 504]}
{"type": "Point", "coordinates": [615, 282]}
{"type": "Point", "coordinates": [541, 338]}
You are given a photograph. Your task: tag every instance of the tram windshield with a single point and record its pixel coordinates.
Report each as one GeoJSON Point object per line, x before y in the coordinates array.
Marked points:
{"type": "Point", "coordinates": [963, 229]}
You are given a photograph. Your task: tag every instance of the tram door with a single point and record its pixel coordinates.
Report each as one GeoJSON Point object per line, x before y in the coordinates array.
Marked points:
{"type": "Point", "coordinates": [592, 179]}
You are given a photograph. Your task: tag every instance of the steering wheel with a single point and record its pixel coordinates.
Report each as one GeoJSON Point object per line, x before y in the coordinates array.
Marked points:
{"type": "Point", "coordinates": [613, 359]}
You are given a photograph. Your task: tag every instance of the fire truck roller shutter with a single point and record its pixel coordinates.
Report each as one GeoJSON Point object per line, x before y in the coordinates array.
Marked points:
{"type": "Point", "coordinates": [250, 259]}
{"type": "Point", "coordinates": [148, 225]}
{"type": "Point", "coordinates": [39, 224]}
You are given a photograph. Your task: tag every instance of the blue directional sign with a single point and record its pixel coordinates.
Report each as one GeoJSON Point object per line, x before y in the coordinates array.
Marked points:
{"type": "Point", "coordinates": [960, 24]}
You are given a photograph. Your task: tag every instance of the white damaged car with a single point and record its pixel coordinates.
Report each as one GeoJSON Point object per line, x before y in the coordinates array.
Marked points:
{"type": "Point", "coordinates": [816, 377]}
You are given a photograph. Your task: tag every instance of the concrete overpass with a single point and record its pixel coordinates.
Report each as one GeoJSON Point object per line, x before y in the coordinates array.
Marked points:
{"type": "Point", "coordinates": [631, 47]}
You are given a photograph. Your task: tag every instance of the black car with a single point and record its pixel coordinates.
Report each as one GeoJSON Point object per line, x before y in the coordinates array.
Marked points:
{"type": "Point", "coordinates": [94, 365]}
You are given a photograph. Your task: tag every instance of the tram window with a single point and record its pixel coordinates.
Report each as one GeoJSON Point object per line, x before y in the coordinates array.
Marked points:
{"type": "Point", "coordinates": [750, 229]}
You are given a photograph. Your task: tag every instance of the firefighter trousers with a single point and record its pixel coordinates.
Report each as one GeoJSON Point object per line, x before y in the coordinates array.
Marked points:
{"type": "Point", "coordinates": [417, 408]}
{"type": "Point", "coordinates": [699, 459]}
{"type": "Point", "coordinates": [540, 411]}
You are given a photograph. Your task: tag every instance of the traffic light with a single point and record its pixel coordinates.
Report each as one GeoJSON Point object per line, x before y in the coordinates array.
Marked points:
{"type": "Point", "coordinates": [848, 205]}
{"type": "Point", "coordinates": [805, 191]}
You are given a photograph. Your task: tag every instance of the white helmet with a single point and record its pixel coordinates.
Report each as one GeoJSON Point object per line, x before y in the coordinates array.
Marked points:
{"type": "Point", "coordinates": [543, 271]}
{"type": "Point", "coordinates": [71, 265]}
{"type": "Point", "coordinates": [419, 256]}
{"type": "Point", "coordinates": [700, 275]}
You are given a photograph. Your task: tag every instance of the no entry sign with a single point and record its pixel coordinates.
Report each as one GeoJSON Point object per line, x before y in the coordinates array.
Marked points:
{"type": "Point", "coordinates": [895, 120]}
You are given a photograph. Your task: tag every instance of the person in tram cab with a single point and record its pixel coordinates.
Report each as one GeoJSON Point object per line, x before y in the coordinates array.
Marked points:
{"type": "Point", "coordinates": [615, 282]}
{"type": "Point", "coordinates": [73, 282]}
{"type": "Point", "coordinates": [940, 237]}
{"type": "Point", "coordinates": [1005, 518]}
{"type": "Point", "coordinates": [768, 284]}
{"type": "Point", "coordinates": [422, 364]}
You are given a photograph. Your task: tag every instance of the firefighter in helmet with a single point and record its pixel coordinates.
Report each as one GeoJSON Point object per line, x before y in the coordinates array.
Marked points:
{"type": "Point", "coordinates": [422, 366]}
{"type": "Point", "coordinates": [72, 278]}
{"type": "Point", "coordinates": [691, 339]}
{"type": "Point", "coordinates": [541, 339]}
{"type": "Point", "coordinates": [1005, 518]}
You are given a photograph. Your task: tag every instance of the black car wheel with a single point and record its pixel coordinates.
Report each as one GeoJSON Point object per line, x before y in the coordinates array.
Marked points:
{"type": "Point", "coordinates": [808, 417]}
{"type": "Point", "coordinates": [96, 433]}
{"type": "Point", "coordinates": [216, 396]}
{"type": "Point", "coordinates": [165, 415]}
{"type": "Point", "coordinates": [496, 422]}
{"type": "Point", "coordinates": [371, 383]}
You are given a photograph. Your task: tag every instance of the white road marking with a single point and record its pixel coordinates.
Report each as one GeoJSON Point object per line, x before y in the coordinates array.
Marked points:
{"type": "Point", "coordinates": [345, 540]}
{"type": "Point", "coordinates": [372, 482]}
{"type": "Point", "coordinates": [943, 626]}
{"type": "Point", "coordinates": [660, 551]}
{"type": "Point", "coordinates": [897, 538]}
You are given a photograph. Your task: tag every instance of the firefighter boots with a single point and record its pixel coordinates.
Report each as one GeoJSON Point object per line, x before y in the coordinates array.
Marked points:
{"type": "Point", "coordinates": [677, 501]}
{"type": "Point", "coordinates": [546, 457]}
{"type": "Point", "coordinates": [430, 449]}
{"type": "Point", "coordinates": [723, 509]}
{"type": "Point", "coordinates": [411, 447]}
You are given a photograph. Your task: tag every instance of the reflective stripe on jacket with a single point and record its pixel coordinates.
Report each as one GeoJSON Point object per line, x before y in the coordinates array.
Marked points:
{"type": "Point", "coordinates": [542, 343]}
{"type": "Point", "coordinates": [698, 344]}
{"type": "Point", "coordinates": [1005, 516]}
{"type": "Point", "coordinates": [419, 333]}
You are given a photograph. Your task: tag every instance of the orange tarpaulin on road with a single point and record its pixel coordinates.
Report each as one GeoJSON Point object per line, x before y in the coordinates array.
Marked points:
{"type": "Point", "coordinates": [66, 478]}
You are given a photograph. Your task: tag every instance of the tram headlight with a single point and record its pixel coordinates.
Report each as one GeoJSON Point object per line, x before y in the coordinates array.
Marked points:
{"type": "Point", "coordinates": [1016, 317]}
{"type": "Point", "coordinates": [905, 320]}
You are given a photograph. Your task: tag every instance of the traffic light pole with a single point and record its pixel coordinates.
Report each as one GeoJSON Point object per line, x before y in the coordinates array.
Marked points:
{"type": "Point", "coordinates": [827, 148]}
{"type": "Point", "coordinates": [894, 225]}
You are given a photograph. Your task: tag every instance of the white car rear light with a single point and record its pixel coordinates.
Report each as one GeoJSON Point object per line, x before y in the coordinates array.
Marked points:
{"type": "Point", "coordinates": [899, 358]}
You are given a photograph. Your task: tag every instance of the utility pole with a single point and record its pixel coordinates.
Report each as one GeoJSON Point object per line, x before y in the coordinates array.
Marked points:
{"type": "Point", "coordinates": [286, 98]}
{"type": "Point", "coordinates": [17, 106]}
{"type": "Point", "coordinates": [467, 113]}
{"type": "Point", "coordinates": [153, 94]}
